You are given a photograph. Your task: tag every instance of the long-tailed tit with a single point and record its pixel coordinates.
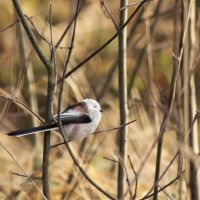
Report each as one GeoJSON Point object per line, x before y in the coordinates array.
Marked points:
{"type": "Point", "coordinates": [78, 120]}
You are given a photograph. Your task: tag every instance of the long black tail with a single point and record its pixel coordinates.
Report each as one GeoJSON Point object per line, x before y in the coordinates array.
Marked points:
{"type": "Point", "coordinates": [66, 119]}
{"type": "Point", "coordinates": [33, 130]}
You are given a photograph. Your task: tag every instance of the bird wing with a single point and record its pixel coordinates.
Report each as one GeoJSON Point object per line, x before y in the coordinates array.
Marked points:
{"type": "Point", "coordinates": [71, 118]}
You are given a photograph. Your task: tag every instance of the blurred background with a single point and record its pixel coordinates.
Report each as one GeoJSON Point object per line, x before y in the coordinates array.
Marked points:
{"type": "Point", "coordinates": [154, 42]}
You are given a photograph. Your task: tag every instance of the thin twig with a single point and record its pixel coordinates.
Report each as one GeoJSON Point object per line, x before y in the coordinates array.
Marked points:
{"type": "Point", "coordinates": [59, 121]}
{"type": "Point", "coordinates": [65, 69]}
{"type": "Point", "coordinates": [136, 179]}
{"type": "Point", "coordinates": [11, 25]}
{"type": "Point", "coordinates": [162, 175]}
{"type": "Point", "coordinates": [116, 128]}
{"type": "Point", "coordinates": [107, 13]}
{"type": "Point", "coordinates": [110, 159]}
{"type": "Point", "coordinates": [25, 176]}
{"type": "Point", "coordinates": [102, 131]}
{"type": "Point", "coordinates": [53, 50]}
{"type": "Point", "coordinates": [129, 5]}
{"type": "Point", "coordinates": [31, 35]}
{"type": "Point", "coordinates": [49, 115]}
{"type": "Point", "coordinates": [68, 27]}
{"type": "Point", "coordinates": [113, 68]}
{"type": "Point", "coordinates": [169, 108]}
{"type": "Point", "coordinates": [89, 160]}
{"type": "Point", "coordinates": [21, 167]}
{"type": "Point", "coordinates": [86, 175]}
{"type": "Point", "coordinates": [197, 115]}
{"type": "Point", "coordinates": [121, 162]}
{"type": "Point", "coordinates": [43, 38]}
{"type": "Point", "coordinates": [24, 105]}
{"type": "Point", "coordinates": [106, 43]}
{"type": "Point", "coordinates": [167, 185]}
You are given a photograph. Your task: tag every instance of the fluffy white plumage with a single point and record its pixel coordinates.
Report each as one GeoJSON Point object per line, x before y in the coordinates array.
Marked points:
{"type": "Point", "coordinates": [78, 121]}
{"type": "Point", "coordinates": [80, 131]}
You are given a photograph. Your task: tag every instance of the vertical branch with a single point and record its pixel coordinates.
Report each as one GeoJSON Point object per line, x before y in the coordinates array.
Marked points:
{"type": "Point", "coordinates": [169, 107]}
{"type": "Point", "coordinates": [185, 63]}
{"type": "Point", "coordinates": [90, 56]}
{"type": "Point", "coordinates": [122, 99]}
{"type": "Point", "coordinates": [180, 131]}
{"type": "Point", "coordinates": [49, 115]}
{"type": "Point", "coordinates": [113, 68]}
{"type": "Point", "coordinates": [31, 36]}
{"type": "Point", "coordinates": [59, 107]}
{"type": "Point", "coordinates": [193, 139]}
{"type": "Point", "coordinates": [189, 96]}
{"type": "Point", "coordinates": [50, 93]}
{"type": "Point", "coordinates": [194, 181]}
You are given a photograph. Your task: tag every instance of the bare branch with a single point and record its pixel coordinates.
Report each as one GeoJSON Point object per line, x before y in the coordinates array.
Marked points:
{"type": "Point", "coordinates": [11, 25]}
{"type": "Point", "coordinates": [24, 105]}
{"type": "Point", "coordinates": [21, 167]}
{"type": "Point", "coordinates": [52, 79]}
{"type": "Point", "coordinates": [123, 102]}
{"type": "Point", "coordinates": [106, 130]}
{"type": "Point", "coordinates": [121, 162]}
{"type": "Point", "coordinates": [162, 175]}
{"type": "Point", "coordinates": [116, 128]}
{"type": "Point", "coordinates": [167, 185]}
{"type": "Point", "coordinates": [86, 175]}
{"type": "Point", "coordinates": [59, 121]}
{"type": "Point", "coordinates": [197, 115]}
{"type": "Point", "coordinates": [106, 43]}
{"type": "Point", "coordinates": [107, 13]}
{"type": "Point", "coordinates": [25, 176]}
{"type": "Point", "coordinates": [169, 107]}
{"type": "Point", "coordinates": [30, 34]}
{"type": "Point", "coordinates": [42, 36]}
{"type": "Point", "coordinates": [69, 26]}
{"type": "Point", "coordinates": [129, 5]}
{"type": "Point", "coordinates": [136, 179]}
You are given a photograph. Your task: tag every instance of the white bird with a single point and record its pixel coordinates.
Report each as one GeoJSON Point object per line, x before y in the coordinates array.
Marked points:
{"type": "Point", "coordinates": [78, 120]}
